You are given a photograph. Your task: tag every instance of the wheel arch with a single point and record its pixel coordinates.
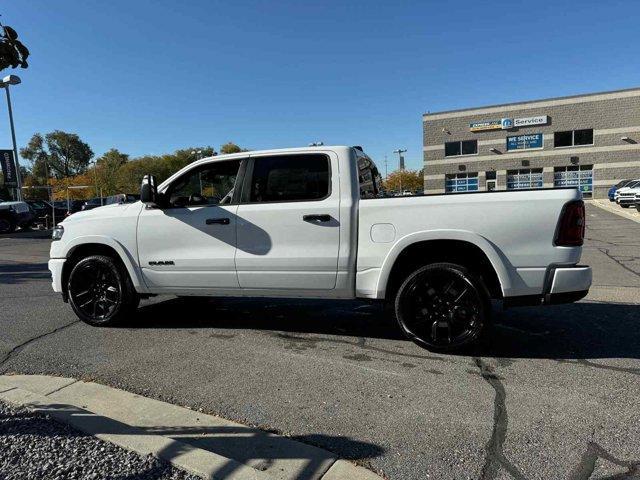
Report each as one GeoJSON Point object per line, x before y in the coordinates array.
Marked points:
{"type": "Point", "coordinates": [99, 245]}
{"type": "Point", "coordinates": [456, 246]}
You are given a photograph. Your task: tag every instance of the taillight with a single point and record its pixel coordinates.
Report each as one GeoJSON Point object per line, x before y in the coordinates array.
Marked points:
{"type": "Point", "coordinates": [570, 232]}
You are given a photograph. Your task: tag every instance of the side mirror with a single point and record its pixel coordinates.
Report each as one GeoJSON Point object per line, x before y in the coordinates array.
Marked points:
{"type": "Point", "coordinates": [148, 190]}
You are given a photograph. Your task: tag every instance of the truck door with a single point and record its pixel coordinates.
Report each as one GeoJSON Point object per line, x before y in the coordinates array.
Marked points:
{"type": "Point", "coordinates": [191, 243]}
{"type": "Point", "coordinates": [288, 223]}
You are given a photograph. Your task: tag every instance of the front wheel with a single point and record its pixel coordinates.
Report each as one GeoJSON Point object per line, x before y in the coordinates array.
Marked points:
{"type": "Point", "coordinates": [443, 307]}
{"type": "Point", "coordinates": [100, 291]}
{"type": "Point", "coordinates": [7, 225]}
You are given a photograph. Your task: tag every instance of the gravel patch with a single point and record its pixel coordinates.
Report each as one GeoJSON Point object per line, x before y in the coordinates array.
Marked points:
{"type": "Point", "coordinates": [33, 446]}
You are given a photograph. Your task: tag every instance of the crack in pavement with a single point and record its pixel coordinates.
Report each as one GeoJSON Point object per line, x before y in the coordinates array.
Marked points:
{"type": "Point", "coordinates": [590, 364]}
{"type": "Point", "coordinates": [612, 257]}
{"type": "Point", "coordinates": [18, 348]}
{"type": "Point", "coordinates": [587, 464]}
{"type": "Point", "coordinates": [495, 457]}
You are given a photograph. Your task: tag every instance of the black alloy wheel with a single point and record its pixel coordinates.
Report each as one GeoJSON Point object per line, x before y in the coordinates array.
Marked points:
{"type": "Point", "coordinates": [443, 307]}
{"type": "Point", "coordinates": [100, 291]}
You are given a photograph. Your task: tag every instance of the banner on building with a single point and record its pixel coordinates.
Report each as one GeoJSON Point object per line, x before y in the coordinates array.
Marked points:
{"type": "Point", "coordinates": [523, 142]}
{"type": "Point", "coordinates": [8, 168]}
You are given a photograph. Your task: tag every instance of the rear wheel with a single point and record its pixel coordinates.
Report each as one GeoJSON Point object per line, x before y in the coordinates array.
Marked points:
{"type": "Point", "coordinates": [100, 291]}
{"type": "Point", "coordinates": [443, 306]}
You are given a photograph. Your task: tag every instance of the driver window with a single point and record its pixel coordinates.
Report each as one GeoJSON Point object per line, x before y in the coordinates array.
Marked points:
{"type": "Point", "coordinates": [211, 184]}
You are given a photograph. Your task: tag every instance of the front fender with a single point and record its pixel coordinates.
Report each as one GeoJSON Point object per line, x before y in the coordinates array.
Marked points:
{"type": "Point", "coordinates": [65, 250]}
{"type": "Point", "coordinates": [492, 253]}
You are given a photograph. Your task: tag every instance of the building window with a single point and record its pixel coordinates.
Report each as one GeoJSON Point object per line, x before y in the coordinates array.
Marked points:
{"type": "Point", "coordinates": [461, 182]}
{"type": "Point", "coordinates": [579, 176]}
{"type": "Point", "coordinates": [465, 147]}
{"type": "Point", "coordinates": [491, 175]}
{"type": "Point", "coordinates": [571, 138]}
{"type": "Point", "coordinates": [524, 178]}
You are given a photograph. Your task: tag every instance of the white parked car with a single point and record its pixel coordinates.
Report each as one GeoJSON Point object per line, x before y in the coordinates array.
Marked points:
{"type": "Point", "coordinates": [308, 222]}
{"type": "Point", "coordinates": [625, 196]}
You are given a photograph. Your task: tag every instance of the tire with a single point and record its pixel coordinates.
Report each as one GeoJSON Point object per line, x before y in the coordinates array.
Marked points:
{"type": "Point", "coordinates": [100, 291]}
{"type": "Point", "coordinates": [443, 307]}
{"type": "Point", "coordinates": [624, 206]}
{"type": "Point", "coordinates": [7, 225]}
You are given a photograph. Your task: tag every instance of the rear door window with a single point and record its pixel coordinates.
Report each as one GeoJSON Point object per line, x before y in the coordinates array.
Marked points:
{"type": "Point", "coordinates": [290, 178]}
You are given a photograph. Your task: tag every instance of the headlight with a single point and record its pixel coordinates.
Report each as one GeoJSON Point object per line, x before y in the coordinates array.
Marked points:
{"type": "Point", "coordinates": [57, 233]}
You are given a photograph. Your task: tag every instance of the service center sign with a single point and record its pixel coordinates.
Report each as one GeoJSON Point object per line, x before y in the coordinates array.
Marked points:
{"type": "Point", "coordinates": [530, 121]}
{"type": "Point", "coordinates": [523, 142]}
{"type": "Point", "coordinates": [508, 123]}
{"type": "Point", "coordinates": [486, 125]}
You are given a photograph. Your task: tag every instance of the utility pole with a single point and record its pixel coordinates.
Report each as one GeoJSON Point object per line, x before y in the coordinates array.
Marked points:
{"type": "Point", "coordinates": [400, 151]}
{"type": "Point", "coordinates": [386, 173]}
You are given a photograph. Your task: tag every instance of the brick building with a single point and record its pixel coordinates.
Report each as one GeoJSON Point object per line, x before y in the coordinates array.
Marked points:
{"type": "Point", "coordinates": [589, 141]}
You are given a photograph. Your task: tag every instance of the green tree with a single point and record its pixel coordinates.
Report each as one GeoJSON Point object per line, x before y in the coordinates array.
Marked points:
{"type": "Point", "coordinates": [64, 153]}
{"type": "Point", "coordinates": [231, 147]}
{"type": "Point", "coordinates": [404, 180]}
{"type": "Point", "coordinates": [106, 170]}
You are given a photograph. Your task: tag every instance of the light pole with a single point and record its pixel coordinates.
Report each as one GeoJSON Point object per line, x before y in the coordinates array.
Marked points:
{"type": "Point", "coordinates": [6, 81]}
{"type": "Point", "coordinates": [400, 151]}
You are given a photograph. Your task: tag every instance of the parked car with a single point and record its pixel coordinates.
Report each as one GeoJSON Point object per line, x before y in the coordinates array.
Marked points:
{"type": "Point", "coordinates": [93, 203]}
{"type": "Point", "coordinates": [14, 215]}
{"type": "Point", "coordinates": [294, 223]}
{"type": "Point", "coordinates": [637, 202]}
{"type": "Point", "coordinates": [42, 208]}
{"type": "Point", "coordinates": [122, 198]}
{"type": "Point", "coordinates": [70, 207]}
{"type": "Point", "coordinates": [612, 190]}
{"type": "Point", "coordinates": [625, 196]}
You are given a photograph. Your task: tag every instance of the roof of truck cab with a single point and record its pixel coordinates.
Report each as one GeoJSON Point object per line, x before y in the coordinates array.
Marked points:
{"type": "Point", "coordinates": [239, 155]}
{"type": "Point", "coordinates": [231, 156]}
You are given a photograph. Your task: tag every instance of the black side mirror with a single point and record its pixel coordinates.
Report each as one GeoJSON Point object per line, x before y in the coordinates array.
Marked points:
{"type": "Point", "coordinates": [148, 190]}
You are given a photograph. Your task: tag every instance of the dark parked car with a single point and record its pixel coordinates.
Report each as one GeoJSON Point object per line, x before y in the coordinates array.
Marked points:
{"type": "Point", "coordinates": [122, 198]}
{"type": "Point", "coordinates": [612, 190]}
{"type": "Point", "coordinates": [93, 203]}
{"type": "Point", "coordinates": [42, 208]}
{"type": "Point", "coordinates": [73, 206]}
{"type": "Point", "coordinates": [14, 215]}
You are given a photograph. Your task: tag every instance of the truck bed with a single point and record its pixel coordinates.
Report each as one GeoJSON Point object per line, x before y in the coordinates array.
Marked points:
{"type": "Point", "coordinates": [515, 230]}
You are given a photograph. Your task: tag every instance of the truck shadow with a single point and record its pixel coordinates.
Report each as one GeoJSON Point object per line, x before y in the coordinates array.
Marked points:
{"type": "Point", "coordinates": [572, 331]}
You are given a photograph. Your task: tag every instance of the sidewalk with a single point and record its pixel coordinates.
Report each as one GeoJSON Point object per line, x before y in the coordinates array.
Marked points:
{"type": "Point", "coordinates": [628, 213]}
{"type": "Point", "coordinates": [205, 445]}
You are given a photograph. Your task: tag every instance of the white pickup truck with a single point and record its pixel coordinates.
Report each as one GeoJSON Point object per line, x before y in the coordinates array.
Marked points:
{"type": "Point", "coordinates": [313, 222]}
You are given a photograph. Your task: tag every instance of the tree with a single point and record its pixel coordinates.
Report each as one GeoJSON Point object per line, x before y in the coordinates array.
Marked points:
{"type": "Point", "coordinates": [231, 147]}
{"type": "Point", "coordinates": [64, 154]}
{"type": "Point", "coordinates": [13, 53]}
{"type": "Point", "coordinates": [404, 180]}
{"type": "Point", "coordinates": [106, 171]}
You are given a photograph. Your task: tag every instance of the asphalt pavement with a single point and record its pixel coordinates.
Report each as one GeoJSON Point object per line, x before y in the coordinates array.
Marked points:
{"type": "Point", "coordinates": [553, 394]}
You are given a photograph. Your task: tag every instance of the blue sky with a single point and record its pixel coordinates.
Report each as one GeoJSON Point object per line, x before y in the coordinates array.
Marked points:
{"type": "Point", "coordinates": [148, 77]}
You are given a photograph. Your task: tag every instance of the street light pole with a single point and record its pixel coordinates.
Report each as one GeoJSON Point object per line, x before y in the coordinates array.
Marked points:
{"type": "Point", "coordinates": [400, 151]}
{"type": "Point", "coordinates": [6, 81]}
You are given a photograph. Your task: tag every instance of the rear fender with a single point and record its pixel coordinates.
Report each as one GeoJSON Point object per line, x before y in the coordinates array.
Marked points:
{"type": "Point", "coordinates": [497, 260]}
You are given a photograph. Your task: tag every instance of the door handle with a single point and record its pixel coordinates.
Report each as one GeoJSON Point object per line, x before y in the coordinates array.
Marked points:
{"type": "Point", "coordinates": [316, 218]}
{"type": "Point", "coordinates": [217, 221]}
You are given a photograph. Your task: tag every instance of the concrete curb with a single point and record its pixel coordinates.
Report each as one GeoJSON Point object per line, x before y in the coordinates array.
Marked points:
{"type": "Point", "coordinates": [206, 445]}
{"type": "Point", "coordinates": [628, 213]}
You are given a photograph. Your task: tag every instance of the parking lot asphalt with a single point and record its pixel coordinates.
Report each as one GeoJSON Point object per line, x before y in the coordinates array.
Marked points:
{"type": "Point", "coordinates": [554, 393]}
